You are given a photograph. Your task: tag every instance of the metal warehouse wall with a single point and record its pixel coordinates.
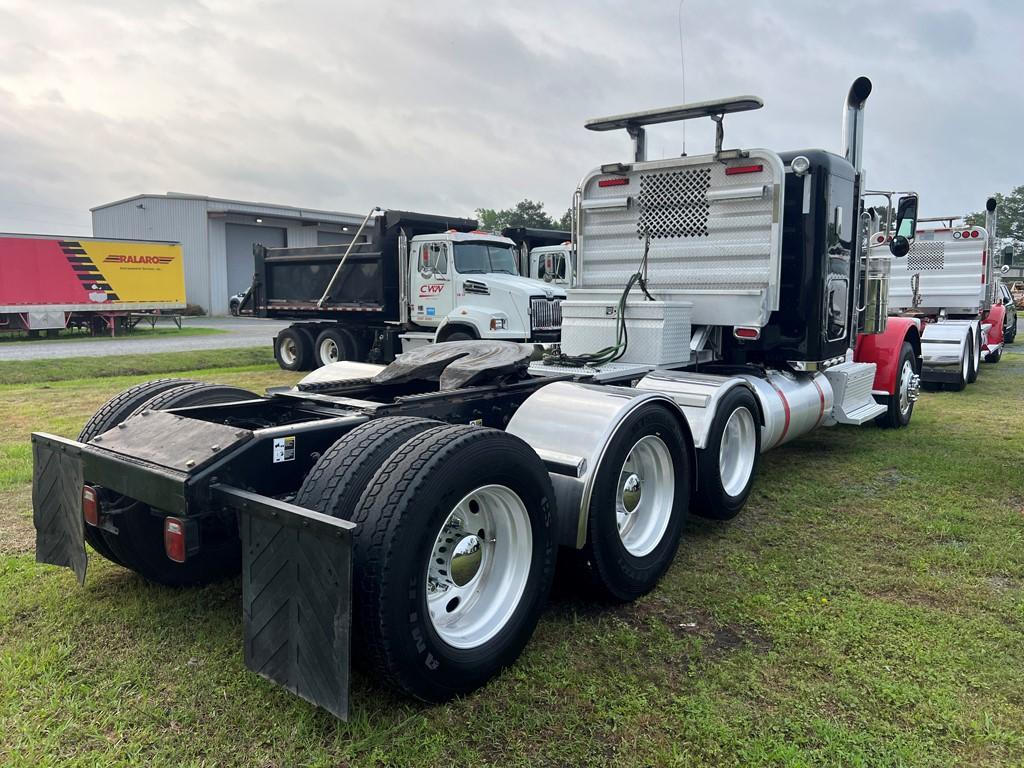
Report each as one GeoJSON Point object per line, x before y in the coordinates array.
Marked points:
{"type": "Point", "coordinates": [182, 220]}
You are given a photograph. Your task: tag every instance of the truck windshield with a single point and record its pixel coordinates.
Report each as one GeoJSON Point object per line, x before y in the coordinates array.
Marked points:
{"type": "Point", "coordinates": [480, 258]}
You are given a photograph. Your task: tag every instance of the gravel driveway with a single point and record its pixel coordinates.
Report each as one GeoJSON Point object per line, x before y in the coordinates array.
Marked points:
{"type": "Point", "coordinates": [240, 332]}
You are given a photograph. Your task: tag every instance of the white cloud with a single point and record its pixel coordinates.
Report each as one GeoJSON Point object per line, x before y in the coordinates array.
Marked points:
{"type": "Point", "coordinates": [448, 106]}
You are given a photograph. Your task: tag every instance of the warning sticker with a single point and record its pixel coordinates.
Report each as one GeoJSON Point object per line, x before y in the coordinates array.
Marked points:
{"type": "Point", "coordinates": [284, 449]}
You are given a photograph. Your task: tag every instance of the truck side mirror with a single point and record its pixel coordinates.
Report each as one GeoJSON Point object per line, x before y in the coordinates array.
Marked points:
{"type": "Point", "coordinates": [906, 226]}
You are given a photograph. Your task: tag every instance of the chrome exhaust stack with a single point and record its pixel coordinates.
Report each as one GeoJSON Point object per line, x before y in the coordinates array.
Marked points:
{"type": "Point", "coordinates": [853, 122]}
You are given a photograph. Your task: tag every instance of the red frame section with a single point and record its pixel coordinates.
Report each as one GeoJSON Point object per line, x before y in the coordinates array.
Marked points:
{"type": "Point", "coordinates": [996, 315]}
{"type": "Point", "coordinates": [883, 349]}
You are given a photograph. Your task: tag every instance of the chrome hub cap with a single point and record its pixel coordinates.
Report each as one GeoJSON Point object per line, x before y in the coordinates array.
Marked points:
{"type": "Point", "coordinates": [737, 451]}
{"type": "Point", "coordinates": [289, 351]}
{"type": "Point", "coordinates": [910, 387]}
{"type": "Point", "coordinates": [646, 491]}
{"type": "Point", "coordinates": [329, 351]}
{"type": "Point", "coordinates": [479, 566]}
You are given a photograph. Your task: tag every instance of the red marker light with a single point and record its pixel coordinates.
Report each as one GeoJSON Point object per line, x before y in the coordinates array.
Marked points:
{"type": "Point", "coordinates": [174, 539]}
{"type": "Point", "coordinates": [737, 169]}
{"type": "Point", "coordinates": [90, 505]}
{"type": "Point", "coordinates": [975, 233]}
{"type": "Point", "coordinates": [746, 333]}
{"type": "Point", "coordinates": [620, 181]}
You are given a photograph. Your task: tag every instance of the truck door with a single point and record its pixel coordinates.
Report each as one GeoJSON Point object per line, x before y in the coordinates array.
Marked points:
{"type": "Point", "coordinates": [433, 294]}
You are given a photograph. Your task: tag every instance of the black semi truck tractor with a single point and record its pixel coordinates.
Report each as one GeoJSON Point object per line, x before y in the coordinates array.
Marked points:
{"type": "Point", "coordinates": [407, 517]}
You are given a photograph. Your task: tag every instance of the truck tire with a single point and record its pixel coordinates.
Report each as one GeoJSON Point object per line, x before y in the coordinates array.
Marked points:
{"type": "Point", "coordinates": [459, 336]}
{"type": "Point", "coordinates": [727, 466]}
{"type": "Point", "coordinates": [110, 414]}
{"type": "Point", "coordinates": [972, 375]}
{"type": "Point", "coordinates": [334, 345]}
{"type": "Point", "coordinates": [293, 349]}
{"type": "Point", "coordinates": [139, 542]}
{"type": "Point", "coordinates": [900, 406]}
{"type": "Point", "coordinates": [965, 368]}
{"type": "Point", "coordinates": [994, 357]}
{"type": "Point", "coordinates": [336, 482]}
{"type": "Point", "coordinates": [452, 560]}
{"type": "Point", "coordinates": [625, 560]}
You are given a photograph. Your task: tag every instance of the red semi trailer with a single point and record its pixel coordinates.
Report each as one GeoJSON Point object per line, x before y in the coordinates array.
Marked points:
{"type": "Point", "coordinates": [48, 283]}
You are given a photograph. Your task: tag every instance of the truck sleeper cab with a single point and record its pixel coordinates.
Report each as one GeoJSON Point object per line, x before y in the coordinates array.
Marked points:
{"type": "Point", "coordinates": [416, 509]}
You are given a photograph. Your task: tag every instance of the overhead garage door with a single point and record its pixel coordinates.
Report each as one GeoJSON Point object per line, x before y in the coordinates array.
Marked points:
{"type": "Point", "coordinates": [240, 239]}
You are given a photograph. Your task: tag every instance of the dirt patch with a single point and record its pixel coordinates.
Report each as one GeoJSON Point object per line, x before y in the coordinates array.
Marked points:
{"type": "Point", "coordinates": [718, 639]}
{"type": "Point", "coordinates": [891, 477]}
{"type": "Point", "coordinates": [17, 536]}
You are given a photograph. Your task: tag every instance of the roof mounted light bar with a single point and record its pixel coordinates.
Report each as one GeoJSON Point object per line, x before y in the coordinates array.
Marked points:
{"type": "Point", "coordinates": [634, 122]}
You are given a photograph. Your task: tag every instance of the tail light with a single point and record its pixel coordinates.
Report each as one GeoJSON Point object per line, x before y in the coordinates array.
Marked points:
{"type": "Point", "coordinates": [738, 169]}
{"type": "Point", "coordinates": [616, 182]}
{"type": "Point", "coordinates": [975, 233]}
{"type": "Point", "coordinates": [746, 334]}
{"type": "Point", "coordinates": [91, 505]}
{"type": "Point", "coordinates": [175, 539]}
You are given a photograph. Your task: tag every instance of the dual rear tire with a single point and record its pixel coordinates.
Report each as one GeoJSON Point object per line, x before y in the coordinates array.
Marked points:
{"type": "Point", "coordinates": [303, 347]}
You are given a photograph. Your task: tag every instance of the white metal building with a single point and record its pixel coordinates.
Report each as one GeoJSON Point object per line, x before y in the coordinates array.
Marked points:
{"type": "Point", "coordinates": [217, 235]}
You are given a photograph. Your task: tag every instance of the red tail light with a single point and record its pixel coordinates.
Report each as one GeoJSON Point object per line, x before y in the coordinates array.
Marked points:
{"type": "Point", "coordinates": [175, 544]}
{"type": "Point", "coordinates": [616, 182]}
{"type": "Point", "coordinates": [975, 233]}
{"type": "Point", "coordinates": [737, 169]}
{"type": "Point", "coordinates": [90, 505]}
{"type": "Point", "coordinates": [746, 333]}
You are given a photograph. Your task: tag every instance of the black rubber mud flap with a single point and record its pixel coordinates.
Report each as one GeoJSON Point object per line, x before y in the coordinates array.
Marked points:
{"type": "Point", "coordinates": [57, 503]}
{"type": "Point", "coordinates": [296, 597]}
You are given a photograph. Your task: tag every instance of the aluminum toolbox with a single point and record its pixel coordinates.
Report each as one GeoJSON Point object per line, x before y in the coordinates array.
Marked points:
{"type": "Point", "coordinates": [658, 331]}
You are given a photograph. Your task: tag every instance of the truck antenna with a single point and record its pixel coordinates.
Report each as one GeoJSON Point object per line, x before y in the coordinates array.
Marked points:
{"type": "Point", "coordinates": [682, 67]}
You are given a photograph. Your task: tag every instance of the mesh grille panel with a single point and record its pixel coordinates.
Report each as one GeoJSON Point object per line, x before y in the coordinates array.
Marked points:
{"type": "Point", "coordinates": [674, 204]}
{"type": "Point", "coordinates": [926, 255]}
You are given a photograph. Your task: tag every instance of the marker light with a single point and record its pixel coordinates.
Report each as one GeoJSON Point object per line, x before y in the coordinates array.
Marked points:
{"type": "Point", "coordinates": [174, 539]}
{"type": "Point", "coordinates": [620, 181]}
{"type": "Point", "coordinates": [90, 505]}
{"type": "Point", "coordinates": [746, 334]}
{"type": "Point", "coordinates": [737, 169]}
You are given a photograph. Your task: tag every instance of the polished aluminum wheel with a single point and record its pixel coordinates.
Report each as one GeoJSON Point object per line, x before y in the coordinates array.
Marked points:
{"type": "Point", "coordinates": [329, 352]}
{"type": "Point", "coordinates": [646, 492]}
{"type": "Point", "coordinates": [965, 365]}
{"type": "Point", "coordinates": [977, 352]}
{"type": "Point", "coordinates": [289, 350]}
{"type": "Point", "coordinates": [737, 451]}
{"type": "Point", "coordinates": [479, 566]}
{"type": "Point", "coordinates": [909, 386]}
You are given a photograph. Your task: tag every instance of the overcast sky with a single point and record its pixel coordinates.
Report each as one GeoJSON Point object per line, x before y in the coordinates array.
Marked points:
{"type": "Point", "coordinates": [445, 107]}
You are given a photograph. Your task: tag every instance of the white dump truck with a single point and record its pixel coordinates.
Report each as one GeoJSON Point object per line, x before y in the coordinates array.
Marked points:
{"type": "Point", "coordinates": [404, 280]}
{"type": "Point", "coordinates": [410, 515]}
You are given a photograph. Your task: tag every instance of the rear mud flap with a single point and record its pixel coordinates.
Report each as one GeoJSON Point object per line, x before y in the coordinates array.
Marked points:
{"type": "Point", "coordinates": [57, 503]}
{"type": "Point", "coordinates": [296, 597]}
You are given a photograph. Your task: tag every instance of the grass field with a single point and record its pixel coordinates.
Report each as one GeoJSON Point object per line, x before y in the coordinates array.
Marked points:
{"type": "Point", "coordinates": [866, 609]}
{"type": "Point", "coordinates": [140, 332]}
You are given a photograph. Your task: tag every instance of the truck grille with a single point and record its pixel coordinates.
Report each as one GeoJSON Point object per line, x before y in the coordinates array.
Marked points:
{"type": "Point", "coordinates": [545, 314]}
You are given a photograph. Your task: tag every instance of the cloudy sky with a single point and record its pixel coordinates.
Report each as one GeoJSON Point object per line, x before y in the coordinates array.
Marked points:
{"type": "Point", "coordinates": [449, 106]}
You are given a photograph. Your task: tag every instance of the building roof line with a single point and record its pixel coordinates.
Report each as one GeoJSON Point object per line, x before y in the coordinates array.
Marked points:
{"type": "Point", "coordinates": [288, 211]}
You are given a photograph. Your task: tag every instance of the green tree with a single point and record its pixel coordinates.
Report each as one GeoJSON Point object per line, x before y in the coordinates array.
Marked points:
{"type": "Point", "coordinates": [1010, 213]}
{"type": "Point", "coordinates": [527, 213]}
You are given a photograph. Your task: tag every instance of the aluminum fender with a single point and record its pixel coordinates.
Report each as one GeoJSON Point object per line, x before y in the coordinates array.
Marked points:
{"type": "Point", "coordinates": [569, 425]}
{"type": "Point", "coordinates": [995, 318]}
{"type": "Point", "coordinates": [942, 345]}
{"type": "Point", "coordinates": [883, 349]}
{"type": "Point", "coordinates": [697, 395]}
{"type": "Point", "coordinates": [792, 404]}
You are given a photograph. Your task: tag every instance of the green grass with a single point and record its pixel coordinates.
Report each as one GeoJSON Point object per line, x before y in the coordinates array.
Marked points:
{"type": "Point", "coordinates": [140, 332]}
{"type": "Point", "coordinates": [28, 372]}
{"type": "Point", "coordinates": [866, 609]}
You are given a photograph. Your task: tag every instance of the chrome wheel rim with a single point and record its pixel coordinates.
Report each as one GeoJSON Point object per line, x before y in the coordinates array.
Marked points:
{"type": "Point", "coordinates": [966, 364]}
{"type": "Point", "coordinates": [737, 451]}
{"type": "Point", "coordinates": [479, 566]}
{"type": "Point", "coordinates": [289, 351]}
{"type": "Point", "coordinates": [329, 352]}
{"type": "Point", "coordinates": [644, 500]}
{"type": "Point", "coordinates": [906, 382]}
